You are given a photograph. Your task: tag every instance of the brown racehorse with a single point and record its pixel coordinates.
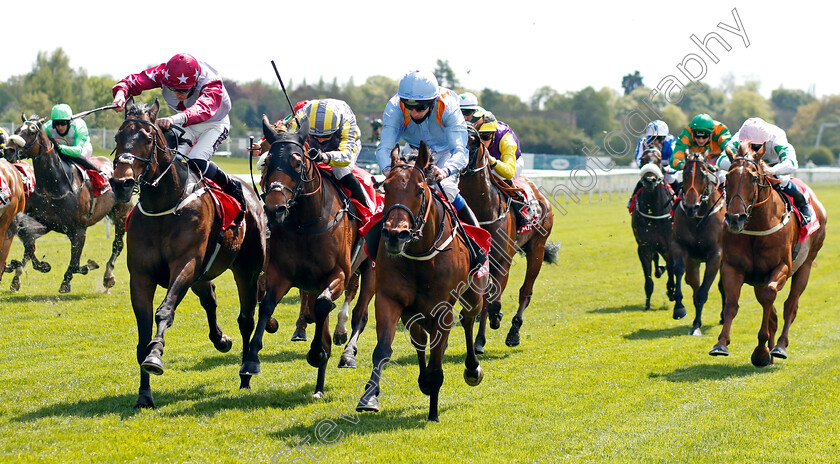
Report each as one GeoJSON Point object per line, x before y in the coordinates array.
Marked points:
{"type": "Point", "coordinates": [63, 201]}
{"type": "Point", "coordinates": [482, 191]}
{"type": "Point", "coordinates": [652, 227]}
{"type": "Point", "coordinates": [422, 268]}
{"type": "Point", "coordinates": [698, 227]}
{"type": "Point", "coordinates": [9, 209]}
{"type": "Point", "coordinates": [314, 245]}
{"type": "Point", "coordinates": [175, 240]}
{"type": "Point", "coordinates": [760, 249]}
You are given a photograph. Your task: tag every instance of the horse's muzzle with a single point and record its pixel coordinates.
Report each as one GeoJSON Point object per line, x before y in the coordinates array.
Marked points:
{"type": "Point", "coordinates": [395, 240]}
{"type": "Point", "coordinates": [691, 210]}
{"type": "Point", "coordinates": [276, 216]}
{"type": "Point", "coordinates": [650, 183]}
{"type": "Point", "coordinates": [122, 189]}
{"type": "Point", "coordinates": [736, 221]}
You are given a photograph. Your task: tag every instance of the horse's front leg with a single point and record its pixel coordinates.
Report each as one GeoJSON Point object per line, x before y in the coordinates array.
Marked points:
{"type": "Point", "coordinates": [142, 292]}
{"type": "Point", "coordinates": [766, 296]}
{"type": "Point", "coordinates": [701, 295]}
{"type": "Point", "coordinates": [77, 244]}
{"type": "Point", "coordinates": [340, 332]}
{"type": "Point", "coordinates": [388, 313]}
{"type": "Point", "coordinates": [360, 316]}
{"type": "Point", "coordinates": [165, 313]}
{"type": "Point", "coordinates": [646, 258]}
{"type": "Point", "coordinates": [732, 280]}
{"type": "Point", "coordinates": [321, 348]}
{"type": "Point", "coordinates": [117, 216]}
{"type": "Point", "coordinates": [276, 289]}
{"type": "Point", "coordinates": [679, 270]}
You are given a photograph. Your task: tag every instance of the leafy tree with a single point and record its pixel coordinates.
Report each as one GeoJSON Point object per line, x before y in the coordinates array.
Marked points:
{"type": "Point", "coordinates": [821, 156]}
{"type": "Point", "coordinates": [541, 97]}
{"type": "Point", "coordinates": [501, 104]}
{"type": "Point", "coordinates": [785, 103]}
{"type": "Point", "coordinates": [445, 75]}
{"type": "Point", "coordinates": [675, 118]}
{"type": "Point", "coordinates": [592, 111]}
{"type": "Point", "coordinates": [631, 82]}
{"type": "Point", "coordinates": [746, 104]}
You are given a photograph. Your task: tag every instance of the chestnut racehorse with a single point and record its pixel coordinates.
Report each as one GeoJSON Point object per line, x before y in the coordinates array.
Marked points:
{"type": "Point", "coordinates": [314, 245]}
{"type": "Point", "coordinates": [483, 192]}
{"type": "Point", "coordinates": [13, 205]}
{"type": "Point", "coordinates": [652, 226]}
{"type": "Point", "coordinates": [422, 268]}
{"type": "Point", "coordinates": [63, 201]}
{"type": "Point", "coordinates": [698, 227]}
{"type": "Point", "coordinates": [761, 248]}
{"type": "Point", "coordinates": [175, 240]}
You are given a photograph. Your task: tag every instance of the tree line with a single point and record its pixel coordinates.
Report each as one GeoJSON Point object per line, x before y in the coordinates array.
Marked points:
{"type": "Point", "coordinates": [550, 122]}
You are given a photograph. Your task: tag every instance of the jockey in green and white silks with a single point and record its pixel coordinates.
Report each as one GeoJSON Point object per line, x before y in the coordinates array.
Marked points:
{"type": "Point", "coordinates": [71, 136]}
{"type": "Point", "coordinates": [779, 155]}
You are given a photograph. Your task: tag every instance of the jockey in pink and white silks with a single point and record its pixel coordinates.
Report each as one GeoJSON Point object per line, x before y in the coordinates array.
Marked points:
{"type": "Point", "coordinates": [195, 92]}
{"type": "Point", "coordinates": [779, 155]}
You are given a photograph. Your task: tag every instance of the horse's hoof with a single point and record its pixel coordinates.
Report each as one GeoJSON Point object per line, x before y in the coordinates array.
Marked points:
{"type": "Point", "coordinates": [91, 265]}
{"type": "Point", "coordinates": [42, 267]}
{"type": "Point", "coordinates": [152, 365]}
{"type": "Point", "coordinates": [145, 401]}
{"type": "Point", "coordinates": [244, 382]}
{"type": "Point", "coordinates": [347, 362]}
{"type": "Point", "coordinates": [719, 350]}
{"type": "Point", "coordinates": [679, 312]}
{"type": "Point", "coordinates": [272, 325]}
{"type": "Point", "coordinates": [15, 286]}
{"type": "Point", "coordinates": [318, 395]}
{"type": "Point", "coordinates": [495, 320]}
{"type": "Point", "coordinates": [512, 338]}
{"type": "Point", "coordinates": [370, 404]}
{"type": "Point", "coordinates": [224, 345]}
{"type": "Point", "coordinates": [316, 359]}
{"type": "Point", "coordinates": [695, 331]}
{"type": "Point", "coordinates": [479, 348]}
{"type": "Point", "coordinates": [779, 351]}
{"type": "Point", "coordinates": [475, 377]}
{"type": "Point", "coordinates": [109, 282]}
{"type": "Point", "coordinates": [340, 339]}
{"type": "Point", "coordinates": [659, 271]}
{"type": "Point", "coordinates": [249, 368]}
{"type": "Point", "coordinates": [761, 358]}
{"type": "Point", "coordinates": [299, 335]}
{"type": "Point", "coordinates": [65, 288]}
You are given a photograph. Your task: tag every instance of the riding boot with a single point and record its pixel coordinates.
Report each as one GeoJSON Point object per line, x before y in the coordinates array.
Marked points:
{"type": "Point", "coordinates": [799, 201]}
{"type": "Point", "coordinates": [520, 212]}
{"type": "Point", "coordinates": [355, 188]}
{"type": "Point", "coordinates": [477, 256]}
{"type": "Point", "coordinates": [228, 184]}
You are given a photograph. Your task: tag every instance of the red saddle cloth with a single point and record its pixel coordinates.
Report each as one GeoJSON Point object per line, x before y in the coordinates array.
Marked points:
{"type": "Point", "coordinates": [811, 227]}
{"type": "Point", "coordinates": [27, 175]}
{"type": "Point", "coordinates": [365, 178]}
{"type": "Point", "coordinates": [636, 194]}
{"type": "Point", "coordinates": [5, 191]}
{"type": "Point", "coordinates": [98, 181]}
{"type": "Point", "coordinates": [227, 207]}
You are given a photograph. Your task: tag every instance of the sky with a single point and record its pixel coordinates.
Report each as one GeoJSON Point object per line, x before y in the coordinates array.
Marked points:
{"type": "Point", "coordinates": [511, 46]}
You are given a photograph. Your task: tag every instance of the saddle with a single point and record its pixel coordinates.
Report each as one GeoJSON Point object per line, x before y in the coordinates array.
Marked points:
{"type": "Point", "coordinates": [808, 229]}
{"type": "Point", "coordinates": [525, 209]}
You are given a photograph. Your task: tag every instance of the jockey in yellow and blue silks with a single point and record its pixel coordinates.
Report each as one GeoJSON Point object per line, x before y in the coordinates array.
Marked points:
{"type": "Point", "coordinates": [71, 136]}
{"type": "Point", "coordinates": [334, 139]}
{"type": "Point", "coordinates": [423, 111]}
{"type": "Point", "coordinates": [779, 155]}
{"type": "Point", "coordinates": [702, 135]}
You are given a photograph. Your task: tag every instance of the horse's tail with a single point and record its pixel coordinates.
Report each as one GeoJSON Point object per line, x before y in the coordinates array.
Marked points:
{"type": "Point", "coordinates": [552, 252]}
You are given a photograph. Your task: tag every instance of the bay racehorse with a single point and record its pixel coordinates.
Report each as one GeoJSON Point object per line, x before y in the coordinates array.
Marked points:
{"type": "Point", "coordinates": [63, 202]}
{"type": "Point", "coordinates": [422, 268]}
{"type": "Point", "coordinates": [314, 245]}
{"type": "Point", "coordinates": [698, 227]}
{"type": "Point", "coordinates": [176, 241]}
{"type": "Point", "coordinates": [12, 202]}
{"type": "Point", "coordinates": [651, 222]}
{"type": "Point", "coordinates": [483, 191]}
{"type": "Point", "coordinates": [762, 248]}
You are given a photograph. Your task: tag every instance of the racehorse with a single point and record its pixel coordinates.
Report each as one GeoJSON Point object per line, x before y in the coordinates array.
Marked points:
{"type": "Point", "coordinates": [483, 192]}
{"type": "Point", "coordinates": [314, 245]}
{"type": "Point", "coordinates": [14, 204]}
{"type": "Point", "coordinates": [651, 222]}
{"type": "Point", "coordinates": [176, 241]}
{"type": "Point", "coordinates": [698, 226]}
{"type": "Point", "coordinates": [64, 202]}
{"type": "Point", "coordinates": [762, 248]}
{"type": "Point", "coordinates": [422, 267]}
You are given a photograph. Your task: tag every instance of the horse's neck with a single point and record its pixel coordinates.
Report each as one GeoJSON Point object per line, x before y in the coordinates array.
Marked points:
{"type": "Point", "coordinates": [480, 184]}
{"type": "Point", "coordinates": [51, 172]}
{"type": "Point", "coordinates": [170, 187]}
{"type": "Point", "coordinates": [658, 198]}
{"type": "Point", "coordinates": [431, 229]}
{"type": "Point", "coordinates": [311, 202]}
{"type": "Point", "coordinates": [767, 213]}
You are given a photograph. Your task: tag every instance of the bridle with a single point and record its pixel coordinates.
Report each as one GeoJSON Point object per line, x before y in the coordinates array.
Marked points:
{"type": "Point", "coordinates": [24, 150]}
{"type": "Point", "coordinates": [129, 158]}
{"type": "Point", "coordinates": [480, 151]}
{"type": "Point", "coordinates": [756, 191]}
{"type": "Point", "coordinates": [301, 177]}
{"type": "Point", "coordinates": [417, 221]}
{"type": "Point", "coordinates": [688, 181]}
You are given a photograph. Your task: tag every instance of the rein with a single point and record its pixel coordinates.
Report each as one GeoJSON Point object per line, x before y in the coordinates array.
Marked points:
{"type": "Point", "coordinates": [763, 183]}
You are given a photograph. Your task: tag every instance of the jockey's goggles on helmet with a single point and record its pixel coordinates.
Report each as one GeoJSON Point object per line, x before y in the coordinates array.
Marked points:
{"type": "Point", "coordinates": [416, 105]}
{"type": "Point", "coordinates": [181, 90]}
{"type": "Point", "coordinates": [702, 134]}
{"type": "Point", "coordinates": [467, 113]}
{"type": "Point", "coordinates": [486, 135]}
{"type": "Point", "coordinates": [656, 138]}
{"type": "Point", "coordinates": [756, 146]}
{"type": "Point", "coordinates": [61, 123]}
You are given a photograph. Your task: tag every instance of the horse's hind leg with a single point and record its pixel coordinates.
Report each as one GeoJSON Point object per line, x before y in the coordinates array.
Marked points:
{"type": "Point", "coordinates": [534, 254]}
{"type": "Point", "coordinates": [305, 316]}
{"type": "Point", "coordinates": [340, 333]}
{"type": "Point", "coordinates": [646, 258]}
{"type": "Point", "coordinates": [360, 317]}
{"type": "Point", "coordinates": [77, 244]}
{"type": "Point", "coordinates": [472, 301]}
{"type": "Point", "coordinates": [108, 280]}
{"type": "Point", "coordinates": [142, 294]}
{"type": "Point", "coordinates": [276, 289]}
{"type": "Point", "coordinates": [206, 292]}
{"type": "Point", "coordinates": [321, 347]}
{"type": "Point", "coordinates": [797, 286]}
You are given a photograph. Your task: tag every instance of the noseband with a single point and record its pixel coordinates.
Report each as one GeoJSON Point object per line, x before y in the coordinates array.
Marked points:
{"type": "Point", "coordinates": [129, 158]}
{"type": "Point", "coordinates": [418, 221]}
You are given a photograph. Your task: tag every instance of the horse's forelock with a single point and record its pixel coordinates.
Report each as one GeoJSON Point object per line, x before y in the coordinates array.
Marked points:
{"type": "Point", "coordinates": [138, 109]}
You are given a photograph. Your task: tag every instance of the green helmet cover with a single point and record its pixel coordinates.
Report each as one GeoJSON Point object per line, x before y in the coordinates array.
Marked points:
{"type": "Point", "coordinates": [702, 122]}
{"type": "Point", "coordinates": [61, 112]}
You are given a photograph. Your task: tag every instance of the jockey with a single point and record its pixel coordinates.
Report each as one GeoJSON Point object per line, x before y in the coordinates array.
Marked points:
{"type": "Point", "coordinates": [657, 136]}
{"type": "Point", "coordinates": [701, 135]}
{"type": "Point", "coordinates": [779, 155]}
{"type": "Point", "coordinates": [504, 155]}
{"type": "Point", "coordinates": [469, 107]}
{"type": "Point", "coordinates": [423, 111]}
{"type": "Point", "coordinates": [194, 91]}
{"type": "Point", "coordinates": [334, 139]}
{"type": "Point", "coordinates": [71, 136]}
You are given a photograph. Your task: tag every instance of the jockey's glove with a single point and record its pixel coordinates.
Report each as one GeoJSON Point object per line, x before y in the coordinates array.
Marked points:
{"type": "Point", "coordinates": [318, 156]}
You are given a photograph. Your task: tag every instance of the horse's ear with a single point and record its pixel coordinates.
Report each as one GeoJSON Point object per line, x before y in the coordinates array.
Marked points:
{"type": "Point", "coordinates": [129, 104]}
{"type": "Point", "coordinates": [760, 152]}
{"type": "Point", "coordinates": [422, 160]}
{"type": "Point", "coordinates": [395, 156]}
{"type": "Point", "coordinates": [268, 132]}
{"type": "Point", "coordinates": [153, 111]}
{"type": "Point", "coordinates": [303, 131]}
{"type": "Point", "coordinates": [22, 117]}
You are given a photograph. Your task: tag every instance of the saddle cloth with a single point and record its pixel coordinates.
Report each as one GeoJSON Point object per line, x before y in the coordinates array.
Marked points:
{"type": "Point", "coordinates": [98, 181]}
{"type": "Point", "coordinates": [5, 191]}
{"type": "Point", "coordinates": [811, 227]}
{"type": "Point", "coordinates": [27, 175]}
{"type": "Point", "coordinates": [365, 179]}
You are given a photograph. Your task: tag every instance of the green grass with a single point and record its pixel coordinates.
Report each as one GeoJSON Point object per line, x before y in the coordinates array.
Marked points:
{"type": "Point", "coordinates": [596, 378]}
